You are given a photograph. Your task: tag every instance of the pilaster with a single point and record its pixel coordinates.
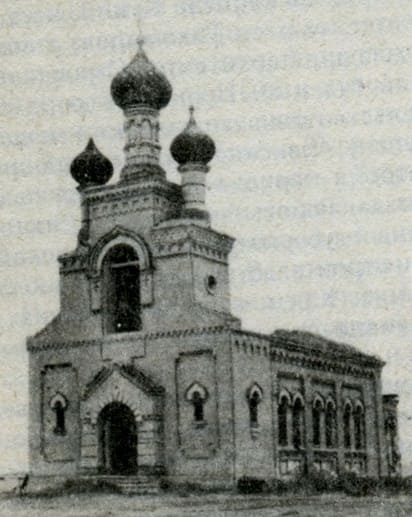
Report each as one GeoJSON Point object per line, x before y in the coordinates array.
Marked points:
{"type": "Point", "coordinates": [380, 427]}
{"type": "Point", "coordinates": [307, 386]}
{"type": "Point", "coordinates": [339, 428]}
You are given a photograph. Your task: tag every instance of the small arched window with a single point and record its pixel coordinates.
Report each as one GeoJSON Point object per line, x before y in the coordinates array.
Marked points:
{"type": "Point", "coordinates": [60, 427]}
{"type": "Point", "coordinates": [198, 403]}
{"type": "Point", "coordinates": [197, 396]}
{"type": "Point", "coordinates": [347, 433]}
{"type": "Point", "coordinates": [330, 424]}
{"type": "Point", "coordinates": [316, 420]}
{"type": "Point", "coordinates": [58, 405]}
{"type": "Point", "coordinates": [254, 398]}
{"type": "Point", "coordinates": [121, 279]}
{"type": "Point", "coordinates": [253, 409]}
{"type": "Point", "coordinates": [297, 423]}
{"type": "Point", "coordinates": [359, 427]}
{"type": "Point", "coordinates": [283, 421]}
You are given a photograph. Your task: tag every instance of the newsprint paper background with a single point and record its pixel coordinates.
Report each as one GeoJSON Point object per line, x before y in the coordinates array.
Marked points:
{"type": "Point", "coordinates": [310, 105]}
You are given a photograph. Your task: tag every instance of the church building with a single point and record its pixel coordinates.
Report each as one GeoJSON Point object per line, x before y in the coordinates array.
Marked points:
{"type": "Point", "coordinates": [146, 372]}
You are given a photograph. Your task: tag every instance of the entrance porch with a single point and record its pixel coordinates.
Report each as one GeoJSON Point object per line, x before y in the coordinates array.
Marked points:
{"type": "Point", "coordinates": [122, 424]}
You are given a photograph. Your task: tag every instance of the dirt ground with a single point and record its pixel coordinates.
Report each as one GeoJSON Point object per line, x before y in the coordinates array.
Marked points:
{"type": "Point", "coordinates": [206, 505]}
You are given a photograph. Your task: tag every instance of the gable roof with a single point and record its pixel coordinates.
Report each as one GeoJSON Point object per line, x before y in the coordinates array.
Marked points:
{"type": "Point", "coordinates": [301, 340]}
{"type": "Point", "coordinates": [129, 372]}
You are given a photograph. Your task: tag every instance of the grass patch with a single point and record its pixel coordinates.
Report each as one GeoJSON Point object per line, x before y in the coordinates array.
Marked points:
{"type": "Point", "coordinates": [189, 488]}
{"type": "Point", "coordinates": [76, 486]}
{"type": "Point", "coordinates": [316, 483]}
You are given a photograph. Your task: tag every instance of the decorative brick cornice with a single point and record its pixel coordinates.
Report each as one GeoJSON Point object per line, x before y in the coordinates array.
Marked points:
{"type": "Point", "coordinates": [313, 361]}
{"type": "Point", "coordinates": [124, 191]}
{"type": "Point", "coordinates": [34, 345]}
{"type": "Point", "coordinates": [297, 343]}
{"type": "Point", "coordinates": [390, 402]}
{"type": "Point", "coordinates": [190, 238]}
{"type": "Point", "coordinates": [251, 343]}
{"type": "Point", "coordinates": [252, 335]}
{"type": "Point", "coordinates": [353, 362]}
{"type": "Point", "coordinates": [73, 262]}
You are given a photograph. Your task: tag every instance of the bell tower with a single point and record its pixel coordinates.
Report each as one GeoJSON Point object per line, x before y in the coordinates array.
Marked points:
{"type": "Point", "coordinates": [147, 257]}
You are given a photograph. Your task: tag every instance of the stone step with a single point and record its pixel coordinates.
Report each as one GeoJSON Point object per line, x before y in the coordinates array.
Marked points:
{"type": "Point", "coordinates": [131, 484]}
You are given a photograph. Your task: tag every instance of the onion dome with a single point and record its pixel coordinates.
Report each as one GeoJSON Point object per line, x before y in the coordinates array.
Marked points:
{"type": "Point", "coordinates": [140, 83]}
{"type": "Point", "coordinates": [90, 167]}
{"type": "Point", "coordinates": [192, 145]}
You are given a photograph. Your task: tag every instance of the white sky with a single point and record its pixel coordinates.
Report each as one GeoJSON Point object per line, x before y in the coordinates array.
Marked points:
{"type": "Point", "coordinates": [309, 103]}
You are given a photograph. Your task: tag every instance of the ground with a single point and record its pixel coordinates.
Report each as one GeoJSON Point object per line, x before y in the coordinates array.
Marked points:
{"type": "Point", "coordinates": [211, 505]}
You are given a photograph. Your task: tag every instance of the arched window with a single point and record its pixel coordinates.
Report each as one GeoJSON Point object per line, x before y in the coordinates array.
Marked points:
{"type": "Point", "coordinates": [122, 300]}
{"type": "Point", "coordinates": [253, 409]}
{"type": "Point", "coordinates": [197, 396]}
{"type": "Point", "coordinates": [359, 427]}
{"type": "Point", "coordinates": [316, 420]}
{"type": "Point", "coordinates": [283, 421]}
{"type": "Point", "coordinates": [59, 405]}
{"type": "Point", "coordinates": [330, 424]}
{"type": "Point", "coordinates": [297, 423]}
{"type": "Point", "coordinates": [198, 403]}
{"type": "Point", "coordinates": [347, 433]}
{"type": "Point", "coordinates": [60, 427]}
{"type": "Point", "coordinates": [254, 398]}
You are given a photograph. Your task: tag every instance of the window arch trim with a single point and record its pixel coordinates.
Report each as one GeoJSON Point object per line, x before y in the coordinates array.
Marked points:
{"type": "Point", "coordinates": [58, 397]}
{"type": "Point", "coordinates": [284, 393]}
{"type": "Point", "coordinates": [123, 237]}
{"type": "Point", "coordinates": [120, 236]}
{"type": "Point", "coordinates": [359, 406]}
{"type": "Point", "coordinates": [254, 389]}
{"type": "Point", "coordinates": [298, 396]}
{"type": "Point", "coordinates": [254, 396]}
{"type": "Point", "coordinates": [330, 402]}
{"type": "Point", "coordinates": [197, 395]}
{"type": "Point", "coordinates": [318, 401]}
{"type": "Point", "coordinates": [196, 387]}
{"type": "Point", "coordinates": [347, 403]}
{"type": "Point", "coordinates": [58, 403]}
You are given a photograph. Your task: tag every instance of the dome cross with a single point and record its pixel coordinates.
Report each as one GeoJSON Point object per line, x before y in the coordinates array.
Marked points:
{"type": "Point", "coordinates": [140, 37]}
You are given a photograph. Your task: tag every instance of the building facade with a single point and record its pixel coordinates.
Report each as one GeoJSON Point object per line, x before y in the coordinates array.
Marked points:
{"type": "Point", "coordinates": [146, 370]}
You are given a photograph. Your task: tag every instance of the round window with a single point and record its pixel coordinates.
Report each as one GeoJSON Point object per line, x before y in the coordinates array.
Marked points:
{"type": "Point", "coordinates": [211, 284]}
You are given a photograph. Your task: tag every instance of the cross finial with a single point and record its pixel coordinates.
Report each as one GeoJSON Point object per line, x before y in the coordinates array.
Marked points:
{"type": "Point", "coordinates": [191, 122]}
{"type": "Point", "coordinates": [140, 38]}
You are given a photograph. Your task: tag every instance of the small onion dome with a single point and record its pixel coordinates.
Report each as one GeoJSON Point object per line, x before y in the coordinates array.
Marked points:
{"type": "Point", "coordinates": [192, 145]}
{"type": "Point", "coordinates": [90, 167]}
{"type": "Point", "coordinates": [140, 83]}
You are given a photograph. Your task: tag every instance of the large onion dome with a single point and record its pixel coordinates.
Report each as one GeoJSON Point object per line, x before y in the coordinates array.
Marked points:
{"type": "Point", "coordinates": [90, 167]}
{"type": "Point", "coordinates": [192, 145]}
{"type": "Point", "coordinates": [140, 83]}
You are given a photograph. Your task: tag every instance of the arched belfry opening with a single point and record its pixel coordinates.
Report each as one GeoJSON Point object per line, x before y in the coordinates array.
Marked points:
{"type": "Point", "coordinates": [117, 439]}
{"type": "Point", "coordinates": [121, 277]}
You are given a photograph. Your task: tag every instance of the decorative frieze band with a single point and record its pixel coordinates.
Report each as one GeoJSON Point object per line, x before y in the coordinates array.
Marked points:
{"type": "Point", "coordinates": [34, 345]}
{"type": "Point", "coordinates": [72, 262]}
{"type": "Point", "coordinates": [314, 362]}
{"type": "Point", "coordinates": [122, 193]}
{"type": "Point", "coordinates": [191, 238]}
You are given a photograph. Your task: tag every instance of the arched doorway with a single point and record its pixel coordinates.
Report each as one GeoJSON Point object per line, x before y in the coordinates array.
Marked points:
{"type": "Point", "coordinates": [117, 435]}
